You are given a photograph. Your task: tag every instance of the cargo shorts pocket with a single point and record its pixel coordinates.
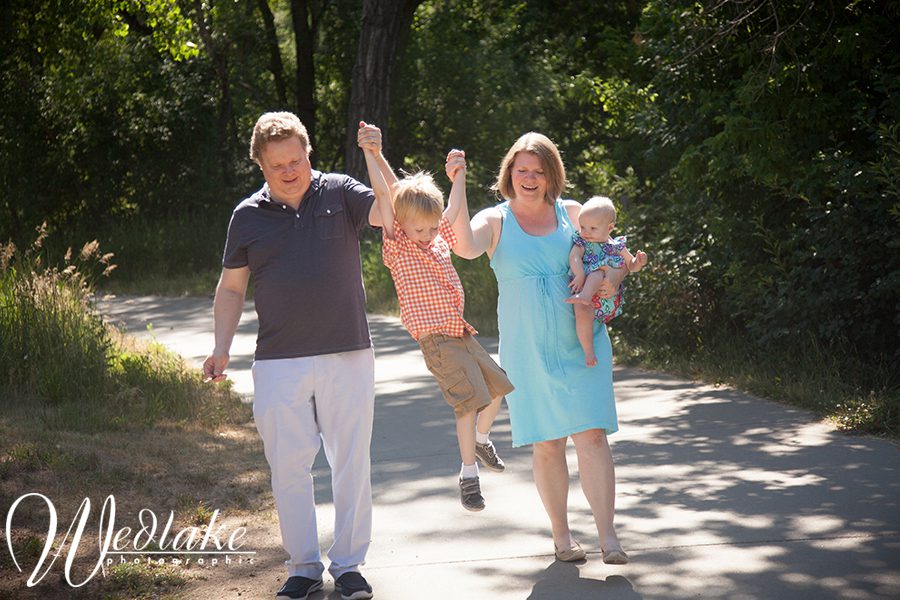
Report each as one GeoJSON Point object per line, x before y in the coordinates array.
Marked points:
{"type": "Point", "coordinates": [431, 352]}
{"type": "Point", "coordinates": [457, 388]}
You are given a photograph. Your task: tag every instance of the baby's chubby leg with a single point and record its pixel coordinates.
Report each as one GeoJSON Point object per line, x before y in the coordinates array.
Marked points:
{"type": "Point", "coordinates": [584, 328]}
{"type": "Point", "coordinates": [592, 283]}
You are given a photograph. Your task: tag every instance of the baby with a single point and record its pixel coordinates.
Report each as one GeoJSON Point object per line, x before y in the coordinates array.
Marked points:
{"type": "Point", "coordinates": [593, 254]}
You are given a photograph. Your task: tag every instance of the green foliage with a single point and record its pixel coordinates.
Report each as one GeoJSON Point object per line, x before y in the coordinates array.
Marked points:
{"type": "Point", "coordinates": [753, 147]}
{"type": "Point", "coordinates": [381, 296]}
{"type": "Point", "coordinates": [778, 166]}
{"type": "Point", "coordinates": [52, 343]}
{"type": "Point", "coordinates": [477, 75]}
{"type": "Point", "coordinates": [772, 144]}
{"type": "Point", "coordinates": [61, 364]}
{"type": "Point", "coordinates": [166, 255]}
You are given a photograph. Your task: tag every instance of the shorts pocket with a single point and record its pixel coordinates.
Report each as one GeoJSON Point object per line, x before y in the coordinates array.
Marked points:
{"type": "Point", "coordinates": [431, 352]}
{"type": "Point", "coordinates": [457, 388]}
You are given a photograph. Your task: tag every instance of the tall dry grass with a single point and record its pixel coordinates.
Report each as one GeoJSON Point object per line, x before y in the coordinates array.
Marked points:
{"type": "Point", "coordinates": [62, 364]}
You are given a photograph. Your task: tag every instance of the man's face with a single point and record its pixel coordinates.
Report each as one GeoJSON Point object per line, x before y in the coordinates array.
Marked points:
{"type": "Point", "coordinates": [285, 165]}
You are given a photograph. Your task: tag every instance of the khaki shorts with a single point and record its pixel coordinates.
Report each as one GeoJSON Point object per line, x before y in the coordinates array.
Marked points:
{"type": "Point", "coordinates": [468, 376]}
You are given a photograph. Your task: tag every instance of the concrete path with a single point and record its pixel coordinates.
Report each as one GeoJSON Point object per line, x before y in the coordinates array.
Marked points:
{"type": "Point", "coordinates": [720, 494]}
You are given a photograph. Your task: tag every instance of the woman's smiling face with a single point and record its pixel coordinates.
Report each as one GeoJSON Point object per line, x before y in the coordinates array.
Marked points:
{"type": "Point", "coordinates": [529, 181]}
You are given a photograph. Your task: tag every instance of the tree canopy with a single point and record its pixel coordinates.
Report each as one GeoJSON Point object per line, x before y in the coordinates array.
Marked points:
{"type": "Point", "coordinates": [753, 146]}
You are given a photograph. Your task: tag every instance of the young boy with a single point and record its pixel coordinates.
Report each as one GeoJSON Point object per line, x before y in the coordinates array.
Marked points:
{"type": "Point", "coordinates": [417, 243]}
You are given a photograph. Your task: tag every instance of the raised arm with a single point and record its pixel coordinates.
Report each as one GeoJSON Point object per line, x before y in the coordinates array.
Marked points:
{"type": "Point", "coordinates": [227, 308]}
{"type": "Point", "coordinates": [381, 189]}
{"type": "Point", "coordinates": [476, 236]}
{"type": "Point", "coordinates": [369, 139]}
{"type": "Point", "coordinates": [634, 263]}
{"type": "Point", "coordinates": [457, 204]}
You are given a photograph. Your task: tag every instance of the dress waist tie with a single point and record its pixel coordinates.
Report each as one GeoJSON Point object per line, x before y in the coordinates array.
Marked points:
{"type": "Point", "coordinates": [550, 355]}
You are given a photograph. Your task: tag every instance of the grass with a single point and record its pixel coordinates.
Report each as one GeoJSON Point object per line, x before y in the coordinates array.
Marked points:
{"type": "Point", "coordinates": [85, 408]}
{"type": "Point", "coordinates": [142, 580]}
{"type": "Point", "coordinates": [64, 367]}
{"type": "Point", "coordinates": [857, 396]}
{"type": "Point", "coordinates": [174, 256]}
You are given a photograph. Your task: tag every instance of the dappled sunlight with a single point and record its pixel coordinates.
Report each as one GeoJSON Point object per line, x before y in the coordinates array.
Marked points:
{"type": "Point", "coordinates": [719, 495]}
{"type": "Point", "coordinates": [779, 480]}
{"type": "Point", "coordinates": [679, 577]}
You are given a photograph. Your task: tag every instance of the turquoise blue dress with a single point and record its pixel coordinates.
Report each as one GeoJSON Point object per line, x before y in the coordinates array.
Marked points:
{"type": "Point", "coordinates": [556, 395]}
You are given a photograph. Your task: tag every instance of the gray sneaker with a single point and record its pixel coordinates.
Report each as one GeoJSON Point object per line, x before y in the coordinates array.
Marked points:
{"type": "Point", "coordinates": [470, 494]}
{"type": "Point", "coordinates": [487, 455]}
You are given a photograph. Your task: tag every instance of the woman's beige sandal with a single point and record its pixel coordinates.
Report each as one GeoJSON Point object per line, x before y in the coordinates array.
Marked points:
{"type": "Point", "coordinates": [572, 554]}
{"type": "Point", "coordinates": [615, 556]}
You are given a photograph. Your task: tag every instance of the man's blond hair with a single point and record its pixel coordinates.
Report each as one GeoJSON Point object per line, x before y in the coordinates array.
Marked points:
{"type": "Point", "coordinates": [277, 126]}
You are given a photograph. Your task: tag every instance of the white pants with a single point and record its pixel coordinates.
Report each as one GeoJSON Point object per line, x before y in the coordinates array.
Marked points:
{"type": "Point", "coordinates": [298, 402]}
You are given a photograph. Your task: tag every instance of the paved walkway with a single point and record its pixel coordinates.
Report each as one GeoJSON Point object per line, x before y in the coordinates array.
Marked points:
{"type": "Point", "coordinates": [720, 494]}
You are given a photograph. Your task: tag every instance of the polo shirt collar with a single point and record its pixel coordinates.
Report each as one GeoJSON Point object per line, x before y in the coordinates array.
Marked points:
{"type": "Point", "coordinates": [315, 182]}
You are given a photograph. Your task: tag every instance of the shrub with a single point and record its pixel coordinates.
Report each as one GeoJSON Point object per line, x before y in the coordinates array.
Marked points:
{"type": "Point", "coordinates": [61, 363]}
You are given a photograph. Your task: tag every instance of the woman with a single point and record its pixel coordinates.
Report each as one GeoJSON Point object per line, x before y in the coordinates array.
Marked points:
{"type": "Point", "coordinates": [557, 396]}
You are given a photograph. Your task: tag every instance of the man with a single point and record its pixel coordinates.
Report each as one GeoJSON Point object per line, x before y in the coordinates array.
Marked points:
{"type": "Point", "coordinates": [313, 373]}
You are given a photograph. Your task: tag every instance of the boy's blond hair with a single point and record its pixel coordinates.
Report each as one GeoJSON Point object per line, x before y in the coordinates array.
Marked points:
{"type": "Point", "coordinates": [277, 126]}
{"type": "Point", "coordinates": [602, 206]}
{"type": "Point", "coordinates": [547, 152]}
{"type": "Point", "coordinates": [417, 196]}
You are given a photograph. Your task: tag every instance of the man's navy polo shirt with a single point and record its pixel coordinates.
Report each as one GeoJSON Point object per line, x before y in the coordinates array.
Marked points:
{"type": "Point", "coordinates": [306, 267]}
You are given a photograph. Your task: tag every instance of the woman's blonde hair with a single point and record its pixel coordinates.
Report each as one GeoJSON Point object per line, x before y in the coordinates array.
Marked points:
{"type": "Point", "coordinates": [277, 126]}
{"type": "Point", "coordinates": [547, 152]}
{"type": "Point", "coordinates": [417, 196]}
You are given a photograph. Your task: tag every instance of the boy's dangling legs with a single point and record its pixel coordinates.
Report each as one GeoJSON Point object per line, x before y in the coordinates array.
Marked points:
{"type": "Point", "coordinates": [473, 435]}
{"type": "Point", "coordinates": [484, 448]}
{"type": "Point", "coordinates": [465, 435]}
{"type": "Point", "coordinates": [477, 403]}
{"type": "Point", "coordinates": [469, 484]}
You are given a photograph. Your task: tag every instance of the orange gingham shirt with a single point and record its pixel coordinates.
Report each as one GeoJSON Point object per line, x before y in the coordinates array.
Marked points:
{"type": "Point", "coordinates": [429, 290]}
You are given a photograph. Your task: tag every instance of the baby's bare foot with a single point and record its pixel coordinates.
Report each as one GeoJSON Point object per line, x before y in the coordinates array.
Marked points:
{"type": "Point", "coordinates": [579, 299]}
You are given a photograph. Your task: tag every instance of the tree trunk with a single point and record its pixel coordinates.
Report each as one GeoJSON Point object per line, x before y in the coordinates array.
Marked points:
{"type": "Point", "coordinates": [227, 126]}
{"type": "Point", "coordinates": [275, 63]}
{"type": "Point", "coordinates": [306, 75]}
{"type": "Point", "coordinates": [385, 28]}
